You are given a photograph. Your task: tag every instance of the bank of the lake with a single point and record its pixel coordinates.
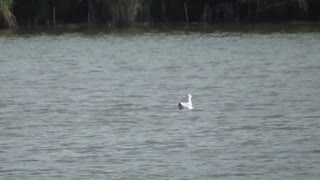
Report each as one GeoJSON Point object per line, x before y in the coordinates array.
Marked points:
{"type": "Point", "coordinates": [131, 12]}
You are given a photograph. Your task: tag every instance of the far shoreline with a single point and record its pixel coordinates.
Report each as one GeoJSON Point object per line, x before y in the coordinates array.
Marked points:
{"type": "Point", "coordinates": [260, 28]}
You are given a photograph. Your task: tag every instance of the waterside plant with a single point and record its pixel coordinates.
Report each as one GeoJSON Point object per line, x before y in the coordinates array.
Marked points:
{"type": "Point", "coordinates": [129, 12]}
{"type": "Point", "coordinates": [6, 17]}
{"type": "Point", "coordinates": [123, 12]}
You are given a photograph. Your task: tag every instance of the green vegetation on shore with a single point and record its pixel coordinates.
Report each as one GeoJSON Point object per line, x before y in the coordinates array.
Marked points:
{"type": "Point", "coordinates": [129, 12]}
{"type": "Point", "coordinates": [6, 16]}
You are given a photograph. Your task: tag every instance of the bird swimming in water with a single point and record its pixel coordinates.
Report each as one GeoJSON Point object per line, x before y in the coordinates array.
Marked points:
{"type": "Point", "coordinates": [186, 105]}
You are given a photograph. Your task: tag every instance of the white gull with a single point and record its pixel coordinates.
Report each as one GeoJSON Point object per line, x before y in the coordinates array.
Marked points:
{"type": "Point", "coordinates": [186, 105]}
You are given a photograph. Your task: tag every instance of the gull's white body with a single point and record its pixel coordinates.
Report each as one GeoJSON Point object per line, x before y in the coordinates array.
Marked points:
{"type": "Point", "coordinates": [186, 105]}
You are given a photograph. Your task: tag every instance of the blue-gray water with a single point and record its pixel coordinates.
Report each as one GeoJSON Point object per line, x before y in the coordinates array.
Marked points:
{"type": "Point", "coordinates": [104, 106]}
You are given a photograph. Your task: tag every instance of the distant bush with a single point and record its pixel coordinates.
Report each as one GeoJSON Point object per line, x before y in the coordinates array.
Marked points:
{"type": "Point", "coordinates": [6, 17]}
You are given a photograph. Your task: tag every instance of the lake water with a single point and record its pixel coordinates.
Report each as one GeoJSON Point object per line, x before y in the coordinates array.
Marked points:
{"type": "Point", "coordinates": [103, 105]}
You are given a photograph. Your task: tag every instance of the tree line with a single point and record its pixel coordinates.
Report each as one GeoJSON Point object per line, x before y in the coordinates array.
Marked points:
{"type": "Point", "coordinates": [129, 12]}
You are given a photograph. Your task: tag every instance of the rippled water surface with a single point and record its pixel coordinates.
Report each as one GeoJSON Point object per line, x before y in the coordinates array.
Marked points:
{"type": "Point", "coordinates": [104, 106]}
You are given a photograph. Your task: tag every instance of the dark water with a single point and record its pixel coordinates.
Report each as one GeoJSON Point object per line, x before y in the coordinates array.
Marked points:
{"type": "Point", "coordinates": [104, 106]}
